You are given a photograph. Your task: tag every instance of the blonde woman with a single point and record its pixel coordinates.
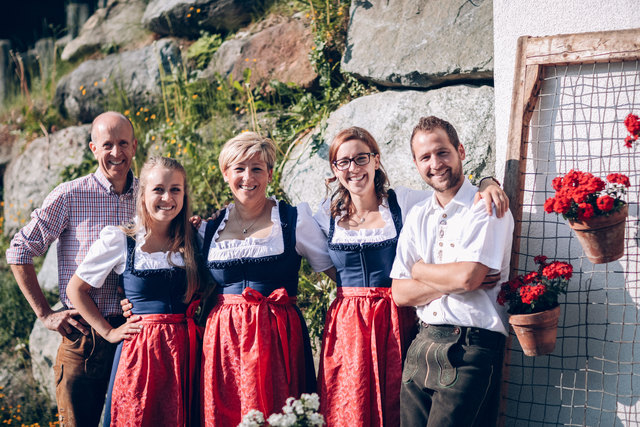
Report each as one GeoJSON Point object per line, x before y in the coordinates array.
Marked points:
{"type": "Point", "coordinates": [256, 350]}
{"type": "Point", "coordinates": [155, 256]}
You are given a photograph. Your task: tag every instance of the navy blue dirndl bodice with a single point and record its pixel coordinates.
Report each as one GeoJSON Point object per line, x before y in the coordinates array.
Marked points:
{"type": "Point", "coordinates": [366, 264]}
{"type": "Point", "coordinates": [159, 291]}
{"type": "Point", "coordinates": [263, 274]}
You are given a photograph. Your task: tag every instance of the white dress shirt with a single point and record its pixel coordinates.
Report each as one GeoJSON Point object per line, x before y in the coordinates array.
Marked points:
{"type": "Point", "coordinates": [458, 232]}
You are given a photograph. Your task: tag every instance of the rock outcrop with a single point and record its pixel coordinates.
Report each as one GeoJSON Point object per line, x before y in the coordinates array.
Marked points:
{"type": "Point", "coordinates": [186, 18]}
{"type": "Point", "coordinates": [118, 24]}
{"type": "Point", "coordinates": [43, 346]}
{"type": "Point", "coordinates": [420, 43]}
{"type": "Point", "coordinates": [83, 93]}
{"type": "Point", "coordinates": [277, 50]}
{"type": "Point", "coordinates": [33, 174]}
{"type": "Point", "coordinates": [469, 109]}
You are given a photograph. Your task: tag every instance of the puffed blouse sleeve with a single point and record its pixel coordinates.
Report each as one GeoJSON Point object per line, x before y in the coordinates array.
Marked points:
{"type": "Point", "coordinates": [323, 216]}
{"type": "Point", "coordinates": [311, 242]}
{"type": "Point", "coordinates": [408, 198]}
{"type": "Point", "coordinates": [108, 253]}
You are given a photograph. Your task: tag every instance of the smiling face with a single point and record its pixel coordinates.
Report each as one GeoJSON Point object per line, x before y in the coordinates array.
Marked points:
{"type": "Point", "coordinates": [163, 194]}
{"type": "Point", "coordinates": [248, 179]}
{"type": "Point", "coordinates": [438, 161]}
{"type": "Point", "coordinates": [113, 146]}
{"type": "Point", "coordinates": [356, 179]}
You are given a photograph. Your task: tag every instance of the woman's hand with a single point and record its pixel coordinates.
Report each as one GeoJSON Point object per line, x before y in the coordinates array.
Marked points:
{"type": "Point", "coordinates": [126, 307]}
{"type": "Point", "coordinates": [195, 221]}
{"type": "Point", "coordinates": [491, 193]}
{"type": "Point", "coordinates": [127, 331]}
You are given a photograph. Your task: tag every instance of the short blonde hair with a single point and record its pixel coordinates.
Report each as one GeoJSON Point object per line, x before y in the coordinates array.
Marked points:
{"type": "Point", "coordinates": [244, 146]}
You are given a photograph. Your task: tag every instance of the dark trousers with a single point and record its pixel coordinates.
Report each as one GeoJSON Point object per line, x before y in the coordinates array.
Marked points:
{"type": "Point", "coordinates": [451, 377]}
{"type": "Point", "coordinates": [82, 369]}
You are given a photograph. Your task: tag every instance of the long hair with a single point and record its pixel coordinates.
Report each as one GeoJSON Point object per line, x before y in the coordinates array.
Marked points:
{"type": "Point", "coordinates": [341, 203]}
{"type": "Point", "coordinates": [180, 230]}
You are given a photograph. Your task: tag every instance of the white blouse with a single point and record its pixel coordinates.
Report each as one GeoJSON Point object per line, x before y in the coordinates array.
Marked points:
{"type": "Point", "coordinates": [406, 197]}
{"type": "Point", "coordinates": [109, 253]}
{"type": "Point", "coordinates": [310, 241]}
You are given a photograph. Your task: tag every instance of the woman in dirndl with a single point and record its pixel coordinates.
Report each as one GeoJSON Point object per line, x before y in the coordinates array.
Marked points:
{"type": "Point", "coordinates": [154, 373]}
{"type": "Point", "coordinates": [366, 334]}
{"type": "Point", "coordinates": [256, 348]}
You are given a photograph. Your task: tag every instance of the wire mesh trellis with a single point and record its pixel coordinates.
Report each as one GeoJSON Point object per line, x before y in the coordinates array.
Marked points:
{"type": "Point", "coordinates": [593, 376]}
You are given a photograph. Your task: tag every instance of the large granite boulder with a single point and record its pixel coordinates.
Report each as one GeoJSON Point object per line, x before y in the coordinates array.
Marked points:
{"type": "Point", "coordinates": [186, 18]}
{"type": "Point", "coordinates": [390, 117]}
{"type": "Point", "coordinates": [34, 173]}
{"type": "Point", "coordinates": [420, 43]}
{"type": "Point", "coordinates": [83, 94]}
{"type": "Point", "coordinates": [277, 49]}
{"type": "Point", "coordinates": [10, 143]}
{"type": "Point", "coordinates": [43, 346]}
{"type": "Point", "coordinates": [116, 25]}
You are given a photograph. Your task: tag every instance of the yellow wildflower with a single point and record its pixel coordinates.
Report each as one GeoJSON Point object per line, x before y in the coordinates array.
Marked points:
{"type": "Point", "coordinates": [195, 95]}
{"type": "Point", "coordinates": [127, 112]}
{"type": "Point", "coordinates": [84, 92]}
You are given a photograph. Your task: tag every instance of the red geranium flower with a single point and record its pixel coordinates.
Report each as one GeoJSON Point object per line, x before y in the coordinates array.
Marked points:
{"type": "Point", "coordinates": [618, 178]}
{"type": "Point", "coordinates": [605, 203]}
{"type": "Point", "coordinates": [581, 195]}
{"type": "Point", "coordinates": [536, 291]}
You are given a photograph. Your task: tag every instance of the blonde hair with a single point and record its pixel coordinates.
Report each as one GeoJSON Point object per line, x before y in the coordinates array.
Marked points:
{"type": "Point", "coordinates": [245, 146]}
{"type": "Point", "coordinates": [180, 230]}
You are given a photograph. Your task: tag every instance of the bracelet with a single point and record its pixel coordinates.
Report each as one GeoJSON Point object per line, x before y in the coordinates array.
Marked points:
{"type": "Point", "coordinates": [489, 177]}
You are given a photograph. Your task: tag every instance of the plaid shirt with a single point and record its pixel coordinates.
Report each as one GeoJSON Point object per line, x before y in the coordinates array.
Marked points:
{"type": "Point", "coordinates": [75, 212]}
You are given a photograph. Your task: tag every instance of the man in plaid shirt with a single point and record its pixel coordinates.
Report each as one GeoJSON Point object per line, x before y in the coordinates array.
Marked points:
{"type": "Point", "coordinates": [74, 213]}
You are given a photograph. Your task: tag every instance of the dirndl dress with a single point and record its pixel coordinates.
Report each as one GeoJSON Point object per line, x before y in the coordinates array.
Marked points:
{"type": "Point", "coordinates": [152, 380]}
{"type": "Point", "coordinates": [366, 335]}
{"type": "Point", "coordinates": [256, 348]}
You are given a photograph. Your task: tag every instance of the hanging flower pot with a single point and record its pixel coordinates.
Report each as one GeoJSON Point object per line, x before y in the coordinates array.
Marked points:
{"type": "Point", "coordinates": [533, 304]}
{"type": "Point", "coordinates": [602, 237]}
{"type": "Point", "coordinates": [595, 210]}
{"type": "Point", "coordinates": [536, 332]}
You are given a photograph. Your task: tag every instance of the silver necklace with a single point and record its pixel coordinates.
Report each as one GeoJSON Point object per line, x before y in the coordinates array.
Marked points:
{"type": "Point", "coordinates": [363, 218]}
{"type": "Point", "coordinates": [246, 229]}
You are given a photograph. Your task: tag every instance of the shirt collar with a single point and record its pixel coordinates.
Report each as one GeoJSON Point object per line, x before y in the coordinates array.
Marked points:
{"type": "Point", "coordinates": [104, 182]}
{"type": "Point", "coordinates": [464, 197]}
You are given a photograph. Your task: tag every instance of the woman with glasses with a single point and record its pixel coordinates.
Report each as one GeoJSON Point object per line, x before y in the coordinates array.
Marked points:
{"type": "Point", "coordinates": [366, 334]}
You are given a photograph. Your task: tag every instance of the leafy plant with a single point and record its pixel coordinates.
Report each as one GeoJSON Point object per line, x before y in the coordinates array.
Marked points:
{"type": "Point", "coordinates": [202, 50]}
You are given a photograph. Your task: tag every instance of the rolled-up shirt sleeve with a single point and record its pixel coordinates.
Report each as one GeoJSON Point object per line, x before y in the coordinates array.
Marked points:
{"type": "Point", "coordinates": [311, 242]}
{"type": "Point", "coordinates": [108, 253]}
{"type": "Point", "coordinates": [46, 225]}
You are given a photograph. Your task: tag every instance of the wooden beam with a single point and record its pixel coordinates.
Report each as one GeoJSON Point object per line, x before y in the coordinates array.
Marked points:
{"type": "Point", "coordinates": [584, 48]}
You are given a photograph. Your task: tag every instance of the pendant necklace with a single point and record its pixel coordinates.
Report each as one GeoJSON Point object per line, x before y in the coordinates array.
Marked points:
{"type": "Point", "coordinates": [246, 229]}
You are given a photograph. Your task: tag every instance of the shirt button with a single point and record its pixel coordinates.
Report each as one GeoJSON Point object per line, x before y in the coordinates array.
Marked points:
{"type": "Point", "coordinates": [440, 244]}
{"type": "Point", "coordinates": [452, 245]}
{"type": "Point", "coordinates": [444, 215]}
{"type": "Point", "coordinates": [435, 313]}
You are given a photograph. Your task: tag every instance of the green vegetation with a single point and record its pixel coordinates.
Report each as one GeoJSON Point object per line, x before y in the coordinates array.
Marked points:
{"type": "Point", "coordinates": [191, 124]}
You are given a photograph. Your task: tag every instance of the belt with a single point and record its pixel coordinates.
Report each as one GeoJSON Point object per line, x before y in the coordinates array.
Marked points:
{"type": "Point", "coordinates": [469, 335]}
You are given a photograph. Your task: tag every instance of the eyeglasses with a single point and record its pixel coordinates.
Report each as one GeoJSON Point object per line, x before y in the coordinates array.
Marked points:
{"type": "Point", "coordinates": [360, 160]}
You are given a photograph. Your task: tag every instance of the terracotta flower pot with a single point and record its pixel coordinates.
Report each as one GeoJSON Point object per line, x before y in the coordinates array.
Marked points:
{"type": "Point", "coordinates": [602, 237]}
{"type": "Point", "coordinates": [536, 332]}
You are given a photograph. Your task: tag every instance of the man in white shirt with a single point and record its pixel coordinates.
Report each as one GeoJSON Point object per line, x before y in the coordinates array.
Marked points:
{"type": "Point", "coordinates": [447, 247]}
